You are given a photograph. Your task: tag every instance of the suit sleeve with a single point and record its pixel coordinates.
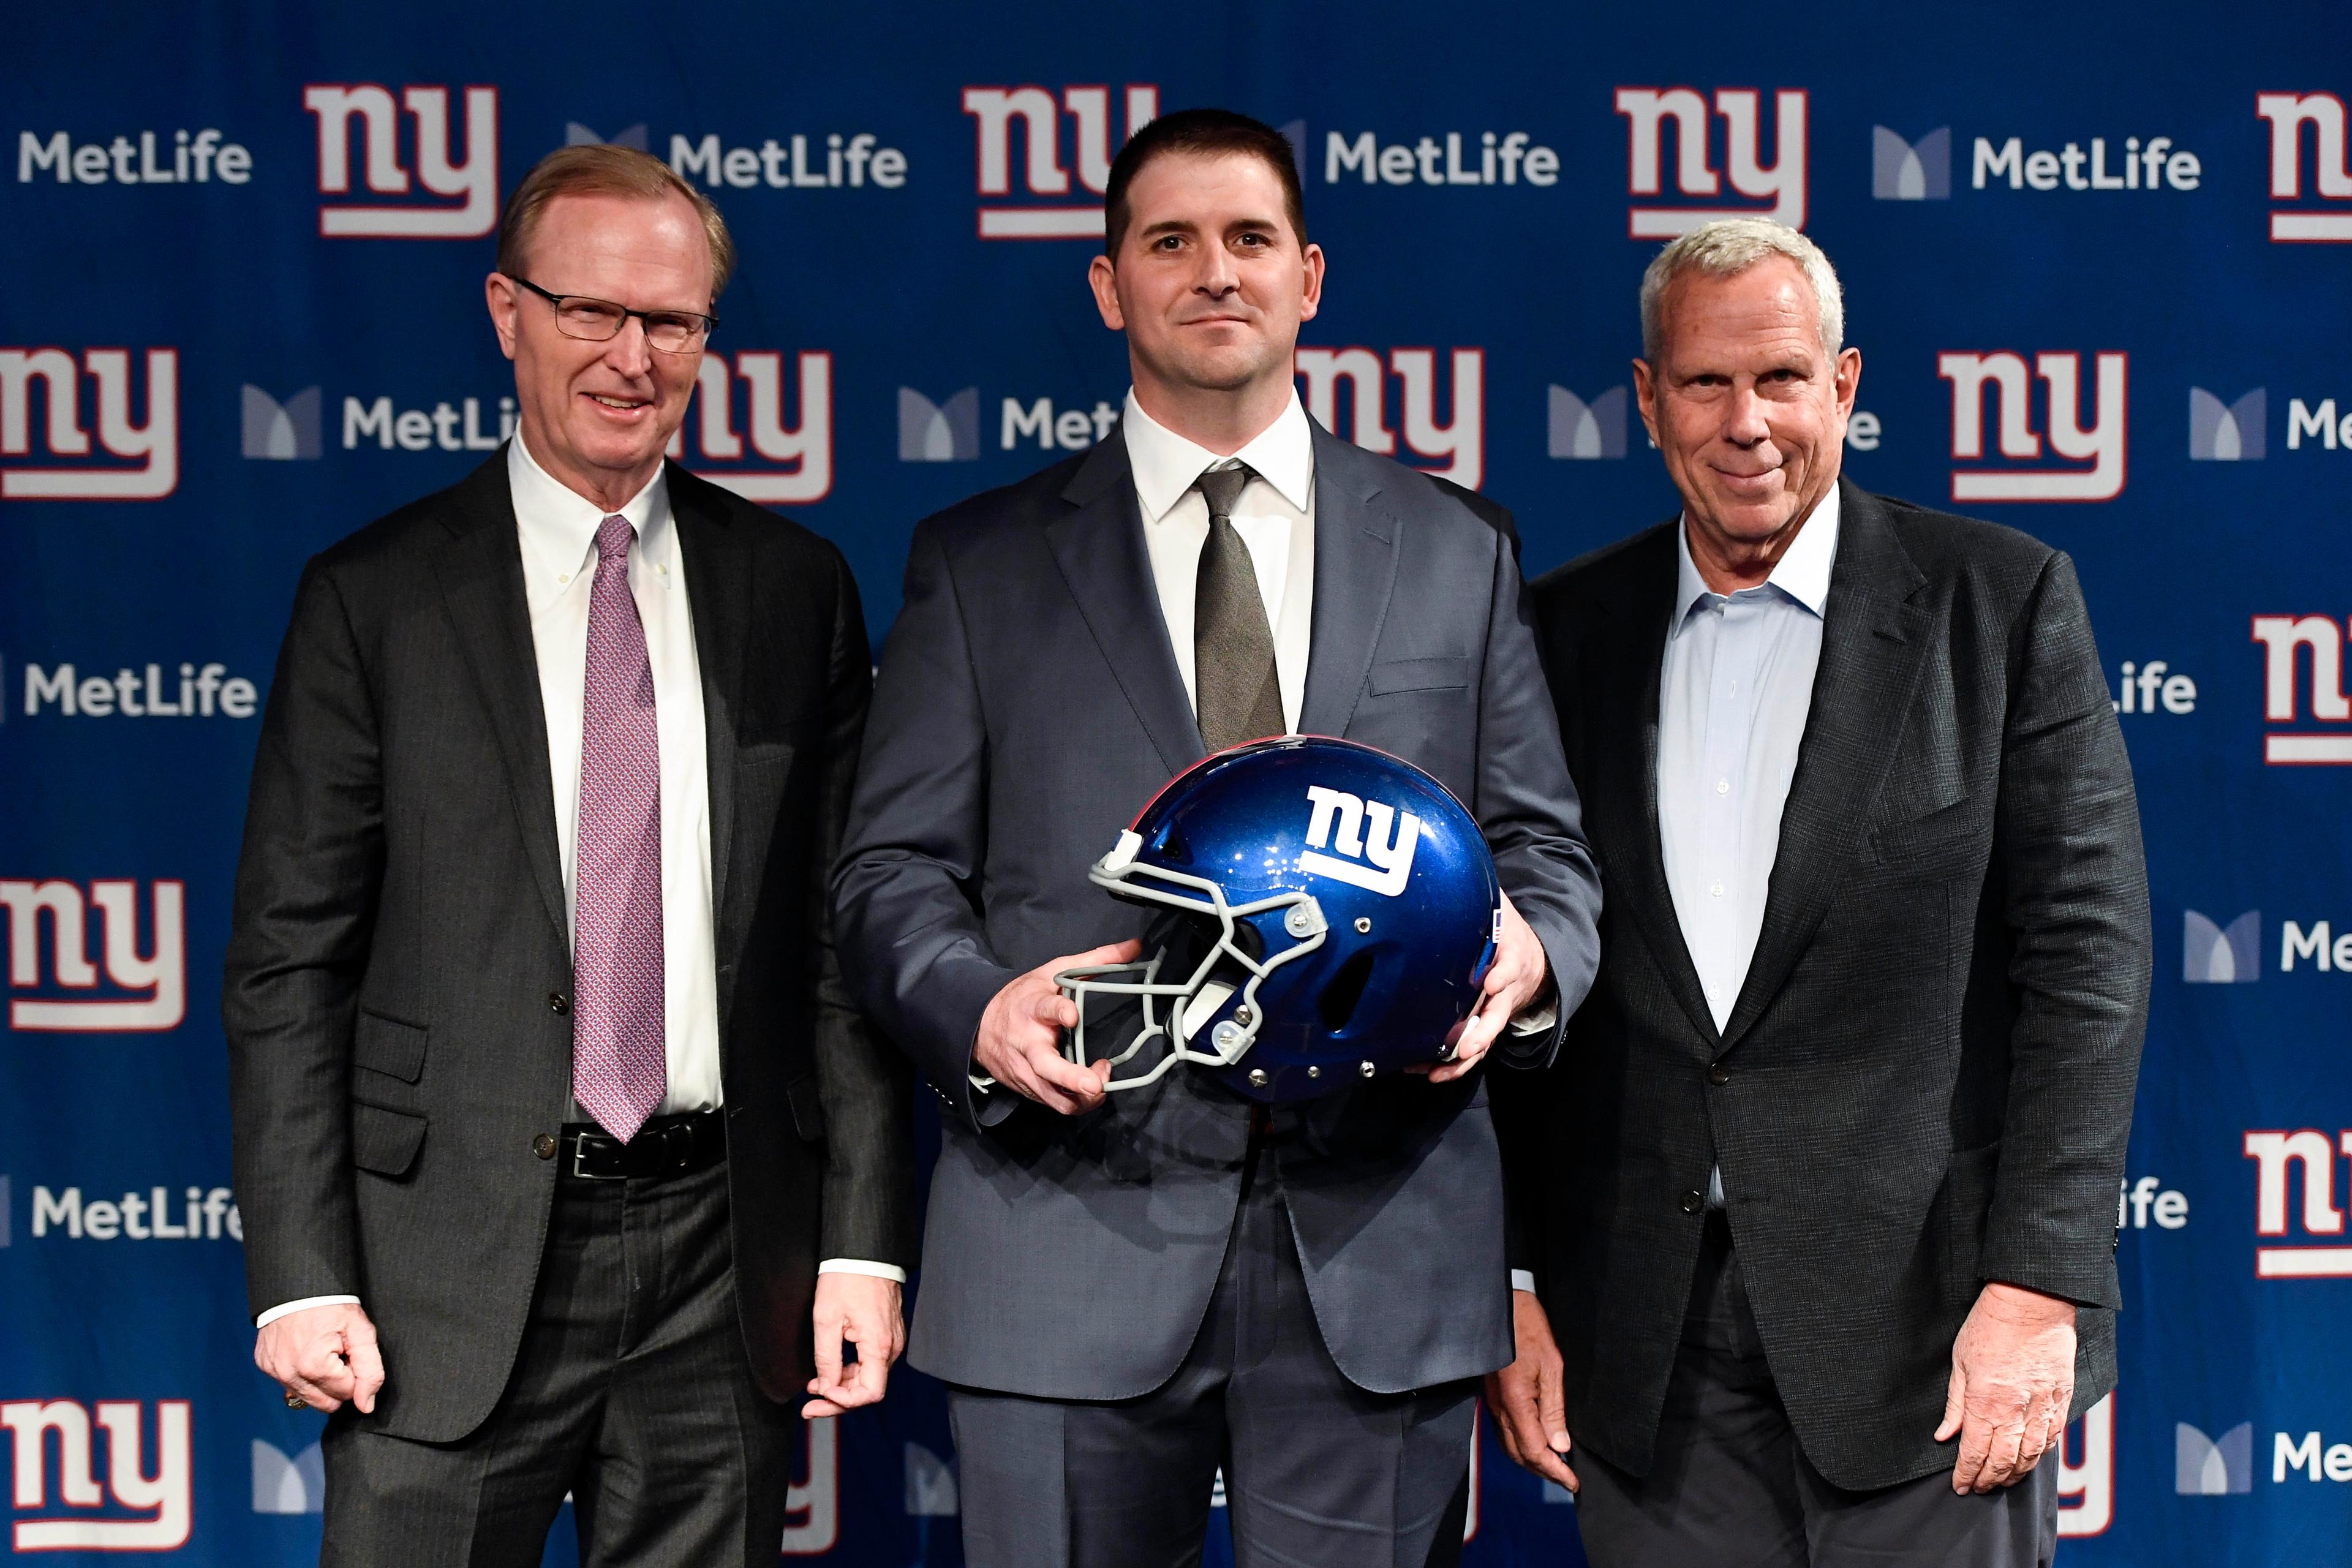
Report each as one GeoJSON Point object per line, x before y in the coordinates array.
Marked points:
{"type": "Point", "coordinates": [308, 882]}
{"type": "Point", "coordinates": [2075, 901]}
{"type": "Point", "coordinates": [869, 1172]}
{"type": "Point", "coordinates": [1527, 805]}
{"type": "Point", "coordinates": [905, 900]}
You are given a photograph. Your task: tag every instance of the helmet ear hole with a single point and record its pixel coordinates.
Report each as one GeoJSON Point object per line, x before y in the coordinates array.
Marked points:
{"type": "Point", "coordinates": [1338, 1003]}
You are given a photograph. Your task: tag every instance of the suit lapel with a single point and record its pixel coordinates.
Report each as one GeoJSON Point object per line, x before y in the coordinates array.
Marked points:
{"type": "Point", "coordinates": [718, 587]}
{"type": "Point", "coordinates": [1098, 545]}
{"type": "Point", "coordinates": [1631, 654]}
{"type": "Point", "coordinates": [1355, 536]}
{"type": "Point", "coordinates": [480, 572]}
{"type": "Point", "coordinates": [1874, 640]}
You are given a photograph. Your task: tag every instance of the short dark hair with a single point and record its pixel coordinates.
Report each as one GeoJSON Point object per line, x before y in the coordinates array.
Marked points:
{"type": "Point", "coordinates": [1202, 132]}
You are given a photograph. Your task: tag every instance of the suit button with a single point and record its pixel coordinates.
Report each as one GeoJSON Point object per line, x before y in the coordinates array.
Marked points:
{"type": "Point", "coordinates": [1693, 1202]}
{"type": "Point", "coordinates": [544, 1145]}
{"type": "Point", "coordinates": [1719, 1074]}
{"type": "Point", "coordinates": [559, 1003]}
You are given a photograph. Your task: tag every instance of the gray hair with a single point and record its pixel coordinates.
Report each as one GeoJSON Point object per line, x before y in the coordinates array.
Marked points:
{"type": "Point", "coordinates": [1728, 248]}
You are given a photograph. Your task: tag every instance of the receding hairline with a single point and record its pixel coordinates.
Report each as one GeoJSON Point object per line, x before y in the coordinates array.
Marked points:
{"type": "Point", "coordinates": [1677, 285]}
{"type": "Point", "coordinates": [691, 215]}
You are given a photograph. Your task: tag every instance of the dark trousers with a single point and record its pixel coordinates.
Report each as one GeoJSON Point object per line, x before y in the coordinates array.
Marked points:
{"type": "Point", "coordinates": [1729, 1486]}
{"type": "Point", "coordinates": [632, 1392]}
{"type": "Point", "coordinates": [1317, 1471]}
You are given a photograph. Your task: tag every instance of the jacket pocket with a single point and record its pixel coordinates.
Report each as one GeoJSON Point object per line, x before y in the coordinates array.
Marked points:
{"type": "Point", "coordinates": [808, 1107]}
{"type": "Point", "coordinates": [384, 1142]}
{"type": "Point", "coordinates": [1419, 675]}
{"type": "Point", "coordinates": [390, 1047]}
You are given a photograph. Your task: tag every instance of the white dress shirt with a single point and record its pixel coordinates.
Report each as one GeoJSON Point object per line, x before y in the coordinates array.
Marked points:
{"type": "Point", "coordinates": [558, 534]}
{"type": "Point", "coordinates": [1274, 516]}
{"type": "Point", "coordinates": [1734, 692]}
{"type": "Point", "coordinates": [1735, 689]}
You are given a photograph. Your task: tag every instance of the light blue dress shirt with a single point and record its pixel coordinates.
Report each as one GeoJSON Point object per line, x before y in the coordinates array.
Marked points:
{"type": "Point", "coordinates": [1734, 692]}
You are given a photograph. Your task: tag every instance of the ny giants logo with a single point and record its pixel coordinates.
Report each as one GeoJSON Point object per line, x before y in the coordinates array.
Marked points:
{"type": "Point", "coordinates": [1048, 213]}
{"type": "Point", "coordinates": [1395, 835]}
{"type": "Point", "coordinates": [473, 184]}
{"type": "Point", "coordinates": [162, 1504]}
{"type": "Point", "coordinates": [1460, 445]}
{"type": "Point", "coordinates": [2323, 637]}
{"type": "Point", "coordinates": [154, 446]}
{"type": "Point", "coordinates": [2288, 113]}
{"type": "Point", "coordinates": [2101, 443]}
{"type": "Point", "coordinates": [2308, 1153]}
{"type": "Point", "coordinates": [1780, 187]}
{"type": "Point", "coordinates": [799, 458]}
{"type": "Point", "coordinates": [2086, 1488]}
{"type": "Point", "coordinates": [813, 1507]}
{"type": "Point", "coordinates": [149, 991]}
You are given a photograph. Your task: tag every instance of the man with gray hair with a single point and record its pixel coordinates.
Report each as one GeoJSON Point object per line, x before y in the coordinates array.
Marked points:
{"type": "Point", "coordinates": [1819, 1199]}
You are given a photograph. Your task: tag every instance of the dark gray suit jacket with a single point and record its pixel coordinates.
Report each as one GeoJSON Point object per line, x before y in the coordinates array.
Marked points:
{"type": "Point", "coordinates": [397, 1000]}
{"type": "Point", "coordinates": [1029, 705]}
{"type": "Point", "coordinates": [1926, 1080]}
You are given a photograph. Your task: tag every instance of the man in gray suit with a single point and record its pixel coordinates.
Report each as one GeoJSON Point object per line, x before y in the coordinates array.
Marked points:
{"type": "Point", "coordinates": [1821, 1198]}
{"type": "Point", "coordinates": [1126, 1291]}
{"type": "Point", "coordinates": [565, 1159]}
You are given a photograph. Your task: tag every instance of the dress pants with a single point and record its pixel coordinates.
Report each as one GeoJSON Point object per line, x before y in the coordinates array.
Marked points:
{"type": "Point", "coordinates": [1317, 1471]}
{"type": "Point", "coordinates": [632, 1391]}
{"type": "Point", "coordinates": [1731, 1487]}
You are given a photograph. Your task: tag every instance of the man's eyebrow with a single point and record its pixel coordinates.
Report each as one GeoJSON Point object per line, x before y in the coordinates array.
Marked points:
{"type": "Point", "coordinates": [1170, 226]}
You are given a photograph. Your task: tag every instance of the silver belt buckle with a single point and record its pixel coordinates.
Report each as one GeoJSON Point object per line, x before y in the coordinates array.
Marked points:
{"type": "Point", "coordinates": [580, 1149]}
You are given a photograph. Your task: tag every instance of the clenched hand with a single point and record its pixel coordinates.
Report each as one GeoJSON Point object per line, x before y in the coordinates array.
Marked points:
{"type": "Point", "coordinates": [326, 1354]}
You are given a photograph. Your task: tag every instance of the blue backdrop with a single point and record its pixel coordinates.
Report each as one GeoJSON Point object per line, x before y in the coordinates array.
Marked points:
{"type": "Point", "coordinates": [2097, 267]}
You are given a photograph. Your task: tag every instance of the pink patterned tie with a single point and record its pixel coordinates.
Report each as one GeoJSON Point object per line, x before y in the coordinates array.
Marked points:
{"type": "Point", "coordinates": [619, 1071]}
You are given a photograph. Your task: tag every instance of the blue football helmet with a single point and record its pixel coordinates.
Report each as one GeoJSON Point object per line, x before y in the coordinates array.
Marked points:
{"type": "Point", "coordinates": [1336, 910]}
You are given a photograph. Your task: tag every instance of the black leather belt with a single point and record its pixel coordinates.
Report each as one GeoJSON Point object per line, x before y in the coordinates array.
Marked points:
{"type": "Point", "coordinates": [664, 1146]}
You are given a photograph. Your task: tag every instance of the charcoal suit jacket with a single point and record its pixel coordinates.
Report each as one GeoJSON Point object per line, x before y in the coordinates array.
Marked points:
{"type": "Point", "coordinates": [397, 997]}
{"type": "Point", "coordinates": [1926, 1080]}
{"type": "Point", "coordinates": [1029, 705]}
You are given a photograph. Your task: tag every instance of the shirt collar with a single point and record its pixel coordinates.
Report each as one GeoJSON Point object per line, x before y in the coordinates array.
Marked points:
{"type": "Point", "coordinates": [1166, 465]}
{"type": "Point", "coordinates": [1802, 573]}
{"type": "Point", "coordinates": [558, 524]}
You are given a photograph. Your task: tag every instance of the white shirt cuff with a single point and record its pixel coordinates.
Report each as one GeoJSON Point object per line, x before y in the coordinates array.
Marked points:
{"type": "Point", "coordinates": [860, 1265]}
{"type": "Point", "coordinates": [1524, 1280]}
{"type": "Point", "coordinates": [305, 1304]}
{"type": "Point", "coordinates": [1538, 1020]}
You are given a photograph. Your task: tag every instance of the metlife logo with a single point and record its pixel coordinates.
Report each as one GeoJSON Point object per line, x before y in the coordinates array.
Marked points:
{"type": "Point", "coordinates": [1920, 170]}
{"type": "Point", "coordinates": [1447, 158]}
{"type": "Point", "coordinates": [142, 158]}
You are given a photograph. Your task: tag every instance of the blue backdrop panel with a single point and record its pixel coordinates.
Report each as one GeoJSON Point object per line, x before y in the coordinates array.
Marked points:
{"type": "Point", "coordinates": [2096, 265]}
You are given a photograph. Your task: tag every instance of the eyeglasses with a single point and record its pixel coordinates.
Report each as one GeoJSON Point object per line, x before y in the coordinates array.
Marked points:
{"type": "Point", "coordinates": [601, 321]}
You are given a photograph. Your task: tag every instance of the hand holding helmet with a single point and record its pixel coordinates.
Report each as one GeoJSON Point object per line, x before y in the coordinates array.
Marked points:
{"type": "Point", "coordinates": [1335, 916]}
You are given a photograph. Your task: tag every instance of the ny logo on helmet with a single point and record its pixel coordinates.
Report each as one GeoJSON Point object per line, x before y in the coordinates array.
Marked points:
{"type": "Point", "coordinates": [1394, 837]}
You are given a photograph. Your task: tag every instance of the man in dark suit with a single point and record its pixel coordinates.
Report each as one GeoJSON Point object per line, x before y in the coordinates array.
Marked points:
{"type": "Point", "coordinates": [1825, 1179]}
{"type": "Point", "coordinates": [565, 1160]}
{"type": "Point", "coordinates": [1126, 1291]}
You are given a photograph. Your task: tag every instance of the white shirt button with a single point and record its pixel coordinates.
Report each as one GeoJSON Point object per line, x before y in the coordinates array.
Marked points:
{"type": "Point", "coordinates": [563, 577]}
{"type": "Point", "coordinates": [1716, 888]}
{"type": "Point", "coordinates": [1723, 786]}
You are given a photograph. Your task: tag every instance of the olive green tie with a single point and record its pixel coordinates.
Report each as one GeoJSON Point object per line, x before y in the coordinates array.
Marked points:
{"type": "Point", "coordinates": [1240, 697]}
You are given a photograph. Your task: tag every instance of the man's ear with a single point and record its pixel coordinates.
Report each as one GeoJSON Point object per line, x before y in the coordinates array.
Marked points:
{"type": "Point", "coordinates": [1645, 397]}
{"type": "Point", "coordinates": [1103, 278]}
{"type": "Point", "coordinates": [499, 293]}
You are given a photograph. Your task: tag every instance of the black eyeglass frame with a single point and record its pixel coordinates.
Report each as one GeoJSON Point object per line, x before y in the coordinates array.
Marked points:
{"type": "Point", "coordinates": [709, 323]}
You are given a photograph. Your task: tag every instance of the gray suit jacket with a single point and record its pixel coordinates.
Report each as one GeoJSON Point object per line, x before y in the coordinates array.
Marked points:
{"type": "Point", "coordinates": [1029, 704]}
{"type": "Point", "coordinates": [397, 995]}
{"type": "Point", "coordinates": [1926, 1080]}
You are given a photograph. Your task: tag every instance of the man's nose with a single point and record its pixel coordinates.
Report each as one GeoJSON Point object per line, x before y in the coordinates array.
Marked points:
{"type": "Point", "coordinates": [1746, 425]}
{"type": "Point", "coordinates": [1217, 277]}
{"type": "Point", "coordinates": [628, 352]}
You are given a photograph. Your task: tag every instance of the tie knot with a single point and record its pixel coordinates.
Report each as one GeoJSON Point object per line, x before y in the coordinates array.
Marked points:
{"type": "Point", "coordinates": [612, 539]}
{"type": "Point", "coordinates": [1222, 487]}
